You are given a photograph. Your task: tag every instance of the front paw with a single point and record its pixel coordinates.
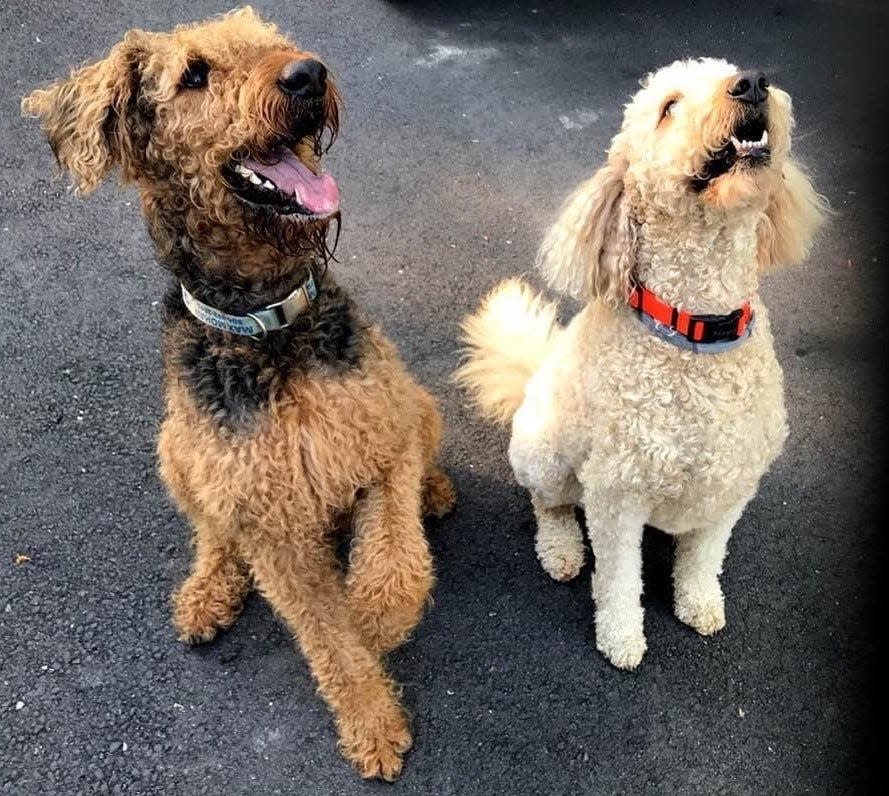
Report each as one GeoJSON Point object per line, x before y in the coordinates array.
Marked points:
{"type": "Point", "coordinates": [703, 612]}
{"type": "Point", "coordinates": [200, 611]}
{"type": "Point", "coordinates": [376, 744]}
{"type": "Point", "coordinates": [621, 641]}
{"type": "Point", "coordinates": [561, 562]}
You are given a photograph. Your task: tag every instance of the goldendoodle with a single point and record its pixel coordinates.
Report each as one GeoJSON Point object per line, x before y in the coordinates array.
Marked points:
{"type": "Point", "coordinates": [288, 416]}
{"type": "Point", "coordinates": [662, 401]}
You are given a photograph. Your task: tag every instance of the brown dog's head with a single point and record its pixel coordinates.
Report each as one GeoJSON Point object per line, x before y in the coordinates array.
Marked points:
{"type": "Point", "coordinates": [703, 147]}
{"type": "Point", "coordinates": [221, 124]}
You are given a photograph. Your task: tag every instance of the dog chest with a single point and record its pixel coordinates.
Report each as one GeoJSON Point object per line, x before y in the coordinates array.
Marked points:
{"type": "Point", "coordinates": [305, 457]}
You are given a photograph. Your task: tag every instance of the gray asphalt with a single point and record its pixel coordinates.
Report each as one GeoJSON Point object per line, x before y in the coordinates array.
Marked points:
{"type": "Point", "coordinates": [466, 124]}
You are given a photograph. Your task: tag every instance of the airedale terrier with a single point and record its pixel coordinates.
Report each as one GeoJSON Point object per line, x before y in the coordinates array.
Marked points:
{"type": "Point", "coordinates": [287, 414]}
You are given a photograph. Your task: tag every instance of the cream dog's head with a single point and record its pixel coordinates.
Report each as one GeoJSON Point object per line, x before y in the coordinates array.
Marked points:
{"type": "Point", "coordinates": [700, 142]}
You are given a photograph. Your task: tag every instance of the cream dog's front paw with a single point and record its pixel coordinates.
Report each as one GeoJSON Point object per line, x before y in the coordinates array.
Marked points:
{"type": "Point", "coordinates": [703, 610]}
{"type": "Point", "coordinates": [621, 641]}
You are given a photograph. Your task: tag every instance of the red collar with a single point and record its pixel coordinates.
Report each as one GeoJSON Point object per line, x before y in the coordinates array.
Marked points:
{"type": "Point", "coordinates": [694, 328]}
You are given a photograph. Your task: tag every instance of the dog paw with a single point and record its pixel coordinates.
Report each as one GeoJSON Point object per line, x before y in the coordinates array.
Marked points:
{"type": "Point", "coordinates": [620, 637]}
{"type": "Point", "coordinates": [706, 615]}
{"type": "Point", "coordinates": [559, 543]}
{"type": "Point", "coordinates": [199, 613]}
{"type": "Point", "coordinates": [377, 749]}
{"type": "Point", "coordinates": [562, 565]}
{"type": "Point", "coordinates": [439, 494]}
{"type": "Point", "coordinates": [624, 653]}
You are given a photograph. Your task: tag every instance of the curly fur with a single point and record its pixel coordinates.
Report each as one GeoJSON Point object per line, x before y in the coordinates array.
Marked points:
{"type": "Point", "coordinates": [269, 446]}
{"type": "Point", "coordinates": [607, 415]}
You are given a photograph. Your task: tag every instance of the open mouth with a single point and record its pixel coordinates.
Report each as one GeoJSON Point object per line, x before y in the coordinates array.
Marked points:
{"type": "Point", "coordinates": [280, 181]}
{"type": "Point", "coordinates": [747, 147]}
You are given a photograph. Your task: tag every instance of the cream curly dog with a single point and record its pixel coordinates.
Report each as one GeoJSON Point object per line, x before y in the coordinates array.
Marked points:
{"type": "Point", "coordinates": [662, 401]}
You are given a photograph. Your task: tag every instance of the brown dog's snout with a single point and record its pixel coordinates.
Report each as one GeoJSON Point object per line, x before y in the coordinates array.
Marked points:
{"type": "Point", "coordinates": [750, 87]}
{"type": "Point", "coordinates": [305, 79]}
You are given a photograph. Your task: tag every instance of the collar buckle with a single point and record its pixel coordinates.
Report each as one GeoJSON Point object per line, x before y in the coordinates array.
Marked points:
{"type": "Point", "coordinates": [718, 328]}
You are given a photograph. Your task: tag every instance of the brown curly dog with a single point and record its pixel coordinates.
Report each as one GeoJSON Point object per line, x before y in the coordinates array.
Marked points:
{"type": "Point", "coordinates": [288, 417]}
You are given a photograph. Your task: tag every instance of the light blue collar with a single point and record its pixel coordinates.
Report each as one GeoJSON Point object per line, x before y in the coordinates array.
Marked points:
{"type": "Point", "coordinates": [261, 321]}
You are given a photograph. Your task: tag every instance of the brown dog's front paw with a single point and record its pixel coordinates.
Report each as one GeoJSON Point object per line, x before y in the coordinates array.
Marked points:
{"type": "Point", "coordinates": [377, 747]}
{"type": "Point", "coordinates": [200, 611]}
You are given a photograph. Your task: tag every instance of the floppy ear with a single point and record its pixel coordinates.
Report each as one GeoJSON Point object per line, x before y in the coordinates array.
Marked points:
{"type": "Point", "coordinates": [587, 253]}
{"type": "Point", "coordinates": [84, 117]}
{"type": "Point", "coordinates": [794, 214]}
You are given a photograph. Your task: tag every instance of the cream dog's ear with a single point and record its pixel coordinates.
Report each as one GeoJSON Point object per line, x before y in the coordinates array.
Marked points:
{"type": "Point", "coordinates": [587, 253]}
{"type": "Point", "coordinates": [794, 214]}
{"type": "Point", "coordinates": [85, 115]}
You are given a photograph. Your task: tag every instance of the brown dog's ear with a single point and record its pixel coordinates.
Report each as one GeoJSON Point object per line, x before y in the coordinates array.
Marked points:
{"type": "Point", "coordinates": [84, 116]}
{"type": "Point", "coordinates": [794, 214]}
{"type": "Point", "coordinates": [587, 253]}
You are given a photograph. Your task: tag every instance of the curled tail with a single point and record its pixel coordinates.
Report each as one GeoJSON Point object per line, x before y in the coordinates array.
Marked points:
{"type": "Point", "coordinates": [506, 341]}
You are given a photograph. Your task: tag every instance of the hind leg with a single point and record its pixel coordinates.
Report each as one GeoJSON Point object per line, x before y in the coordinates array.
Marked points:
{"type": "Point", "coordinates": [438, 493]}
{"type": "Point", "coordinates": [558, 541]}
{"type": "Point", "coordinates": [537, 463]}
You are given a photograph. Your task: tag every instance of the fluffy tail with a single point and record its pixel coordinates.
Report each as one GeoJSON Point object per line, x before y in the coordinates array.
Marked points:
{"type": "Point", "coordinates": [506, 341]}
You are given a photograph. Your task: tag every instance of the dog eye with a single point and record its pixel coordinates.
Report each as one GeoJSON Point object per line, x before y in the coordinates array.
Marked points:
{"type": "Point", "coordinates": [195, 75]}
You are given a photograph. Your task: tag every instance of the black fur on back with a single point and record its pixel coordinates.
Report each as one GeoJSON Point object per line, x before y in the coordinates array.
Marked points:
{"type": "Point", "coordinates": [233, 377]}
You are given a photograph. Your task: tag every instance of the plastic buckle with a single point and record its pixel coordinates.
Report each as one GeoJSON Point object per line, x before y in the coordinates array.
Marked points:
{"type": "Point", "coordinates": [717, 328]}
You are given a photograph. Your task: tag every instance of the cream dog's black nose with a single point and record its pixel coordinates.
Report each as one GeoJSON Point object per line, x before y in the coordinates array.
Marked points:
{"type": "Point", "coordinates": [306, 79]}
{"type": "Point", "coordinates": [750, 87]}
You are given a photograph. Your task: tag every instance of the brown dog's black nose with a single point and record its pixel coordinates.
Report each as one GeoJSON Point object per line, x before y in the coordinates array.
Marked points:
{"type": "Point", "coordinates": [306, 79]}
{"type": "Point", "coordinates": [750, 87]}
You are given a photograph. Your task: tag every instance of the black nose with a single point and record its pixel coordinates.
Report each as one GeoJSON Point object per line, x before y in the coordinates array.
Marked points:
{"type": "Point", "coordinates": [305, 79]}
{"type": "Point", "coordinates": [750, 87]}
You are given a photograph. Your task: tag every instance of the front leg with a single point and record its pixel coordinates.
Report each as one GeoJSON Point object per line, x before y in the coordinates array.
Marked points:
{"type": "Point", "coordinates": [302, 581]}
{"type": "Point", "coordinates": [615, 529]}
{"type": "Point", "coordinates": [211, 597]}
{"type": "Point", "coordinates": [390, 566]}
{"type": "Point", "coordinates": [697, 595]}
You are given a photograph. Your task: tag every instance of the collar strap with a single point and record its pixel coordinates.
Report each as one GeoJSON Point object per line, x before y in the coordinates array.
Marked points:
{"type": "Point", "coordinates": [260, 321]}
{"type": "Point", "coordinates": [701, 333]}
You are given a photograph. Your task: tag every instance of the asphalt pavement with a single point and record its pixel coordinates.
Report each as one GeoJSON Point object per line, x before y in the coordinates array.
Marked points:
{"type": "Point", "coordinates": [466, 123]}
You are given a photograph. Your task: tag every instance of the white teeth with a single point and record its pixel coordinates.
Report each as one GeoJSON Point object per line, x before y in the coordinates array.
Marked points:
{"type": "Point", "coordinates": [297, 196]}
{"type": "Point", "coordinates": [744, 147]}
{"type": "Point", "coordinates": [254, 178]}
{"type": "Point", "coordinates": [268, 184]}
{"type": "Point", "coordinates": [243, 170]}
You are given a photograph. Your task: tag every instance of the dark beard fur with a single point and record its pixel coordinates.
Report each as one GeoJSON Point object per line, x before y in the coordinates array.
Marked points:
{"type": "Point", "coordinates": [292, 239]}
{"type": "Point", "coordinates": [233, 378]}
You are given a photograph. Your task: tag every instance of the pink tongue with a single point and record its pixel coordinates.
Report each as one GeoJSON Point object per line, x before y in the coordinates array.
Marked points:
{"type": "Point", "coordinates": [318, 194]}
